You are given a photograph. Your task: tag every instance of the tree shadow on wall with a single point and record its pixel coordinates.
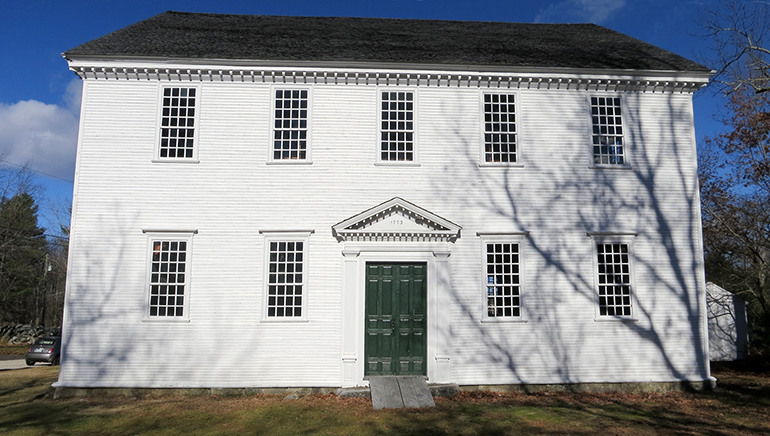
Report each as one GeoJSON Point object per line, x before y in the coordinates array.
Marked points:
{"type": "Point", "coordinates": [559, 198]}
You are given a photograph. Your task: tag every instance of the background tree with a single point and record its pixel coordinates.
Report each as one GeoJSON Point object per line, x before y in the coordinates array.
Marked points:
{"type": "Point", "coordinates": [23, 260]}
{"type": "Point", "coordinates": [734, 167]}
{"type": "Point", "coordinates": [56, 277]}
{"type": "Point", "coordinates": [739, 31]}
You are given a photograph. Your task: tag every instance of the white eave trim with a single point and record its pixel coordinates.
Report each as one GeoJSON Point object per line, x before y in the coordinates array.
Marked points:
{"type": "Point", "coordinates": [389, 74]}
{"type": "Point", "coordinates": [391, 66]}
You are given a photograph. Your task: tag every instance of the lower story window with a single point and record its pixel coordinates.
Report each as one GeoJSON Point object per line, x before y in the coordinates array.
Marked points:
{"type": "Point", "coordinates": [502, 279]}
{"type": "Point", "coordinates": [168, 277]}
{"type": "Point", "coordinates": [614, 278]}
{"type": "Point", "coordinates": [285, 279]}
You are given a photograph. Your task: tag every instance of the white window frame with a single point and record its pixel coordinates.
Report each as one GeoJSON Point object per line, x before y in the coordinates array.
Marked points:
{"type": "Point", "coordinates": [271, 160]}
{"type": "Point", "coordinates": [415, 140]}
{"type": "Point", "coordinates": [624, 120]}
{"type": "Point", "coordinates": [518, 238]}
{"type": "Point", "coordinates": [159, 124]}
{"type": "Point", "coordinates": [168, 235]}
{"type": "Point", "coordinates": [271, 236]}
{"type": "Point", "coordinates": [482, 128]}
{"type": "Point", "coordinates": [628, 239]}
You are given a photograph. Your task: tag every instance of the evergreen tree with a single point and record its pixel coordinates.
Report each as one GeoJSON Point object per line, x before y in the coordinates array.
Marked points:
{"type": "Point", "coordinates": [22, 260]}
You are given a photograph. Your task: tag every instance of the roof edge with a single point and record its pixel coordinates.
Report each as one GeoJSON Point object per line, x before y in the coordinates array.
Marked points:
{"type": "Point", "coordinates": [704, 74]}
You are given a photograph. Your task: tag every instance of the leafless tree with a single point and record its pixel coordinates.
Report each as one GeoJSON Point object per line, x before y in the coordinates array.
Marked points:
{"type": "Point", "coordinates": [739, 30]}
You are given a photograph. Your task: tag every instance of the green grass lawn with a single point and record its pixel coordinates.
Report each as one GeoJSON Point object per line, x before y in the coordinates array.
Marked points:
{"type": "Point", "coordinates": [741, 405]}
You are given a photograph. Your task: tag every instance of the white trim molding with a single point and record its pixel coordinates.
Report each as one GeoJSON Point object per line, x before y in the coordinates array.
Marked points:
{"type": "Point", "coordinates": [396, 220]}
{"type": "Point", "coordinates": [510, 78]}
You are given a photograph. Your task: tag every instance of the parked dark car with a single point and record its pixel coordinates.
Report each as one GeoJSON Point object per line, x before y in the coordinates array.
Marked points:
{"type": "Point", "coordinates": [46, 349]}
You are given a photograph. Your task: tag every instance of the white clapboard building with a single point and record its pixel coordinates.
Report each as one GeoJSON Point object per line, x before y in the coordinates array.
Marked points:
{"type": "Point", "coordinates": [266, 201]}
{"type": "Point", "coordinates": [728, 324]}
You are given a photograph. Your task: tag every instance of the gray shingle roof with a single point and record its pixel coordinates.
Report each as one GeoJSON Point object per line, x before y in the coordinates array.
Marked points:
{"type": "Point", "coordinates": [337, 39]}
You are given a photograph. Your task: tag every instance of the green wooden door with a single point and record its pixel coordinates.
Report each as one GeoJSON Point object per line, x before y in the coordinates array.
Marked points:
{"type": "Point", "coordinates": [396, 305]}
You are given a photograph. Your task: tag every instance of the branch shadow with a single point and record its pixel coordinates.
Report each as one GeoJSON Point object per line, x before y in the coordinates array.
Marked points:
{"type": "Point", "coordinates": [559, 198]}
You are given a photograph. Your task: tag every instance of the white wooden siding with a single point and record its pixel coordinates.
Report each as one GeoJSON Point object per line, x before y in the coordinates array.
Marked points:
{"type": "Point", "coordinates": [232, 193]}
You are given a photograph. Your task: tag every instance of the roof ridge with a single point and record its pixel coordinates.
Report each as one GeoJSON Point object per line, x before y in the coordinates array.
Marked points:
{"type": "Point", "coordinates": [379, 18]}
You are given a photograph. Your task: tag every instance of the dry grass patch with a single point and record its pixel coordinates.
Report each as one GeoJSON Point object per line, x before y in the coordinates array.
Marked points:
{"type": "Point", "coordinates": [739, 406]}
{"type": "Point", "coordinates": [13, 349]}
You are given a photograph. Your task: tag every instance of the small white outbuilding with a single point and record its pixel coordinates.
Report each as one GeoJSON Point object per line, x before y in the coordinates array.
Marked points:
{"type": "Point", "coordinates": [728, 324]}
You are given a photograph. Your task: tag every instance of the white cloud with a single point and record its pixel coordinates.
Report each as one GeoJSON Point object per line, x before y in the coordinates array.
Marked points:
{"type": "Point", "coordinates": [594, 11]}
{"type": "Point", "coordinates": [42, 136]}
{"type": "Point", "coordinates": [73, 94]}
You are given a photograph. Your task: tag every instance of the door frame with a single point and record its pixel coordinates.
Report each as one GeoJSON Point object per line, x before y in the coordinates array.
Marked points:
{"type": "Point", "coordinates": [355, 258]}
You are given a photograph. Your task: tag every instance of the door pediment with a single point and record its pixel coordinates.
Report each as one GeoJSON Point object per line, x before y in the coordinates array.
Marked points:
{"type": "Point", "coordinates": [396, 220]}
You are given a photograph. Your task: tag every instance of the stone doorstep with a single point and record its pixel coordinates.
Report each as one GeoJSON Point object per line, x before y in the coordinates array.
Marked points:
{"type": "Point", "coordinates": [396, 392]}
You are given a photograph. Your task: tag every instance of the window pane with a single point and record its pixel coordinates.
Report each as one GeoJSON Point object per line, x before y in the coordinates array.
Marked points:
{"type": "Point", "coordinates": [284, 290]}
{"type": "Point", "coordinates": [502, 279]}
{"type": "Point", "coordinates": [290, 125]}
{"type": "Point", "coordinates": [180, 113]}
{"type": "Point", "coordinates": [607, 131]}
{"type": "Point", "coordinates": [499, 118]}
{"type": "Point", "coordinates": [614, 279]}
{"type": "Point", "coordinates": [397, 143]}
{"type": "Point", "coordinates": [167, 258]}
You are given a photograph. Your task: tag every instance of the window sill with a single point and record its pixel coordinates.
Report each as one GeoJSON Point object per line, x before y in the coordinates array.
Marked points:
{"type": "Point", "coordinates": [284, 321]}
{"type": "Point", "coordinates": [502, 320]}
{"type": "Point", "coordinates": [610, 167]}
{"type": "Point", "coordinates": [166, 320]}
{"type": "Point", "coordinates": [501, 165]}
{"type": "Point", "coordinates": [289, 162]}
{"type": "Point", "coordinates": [616, 319]}
{"type": "Point", "coordinates": [396, 164]}
{"type": "Point", "coordinates": [186, 160]}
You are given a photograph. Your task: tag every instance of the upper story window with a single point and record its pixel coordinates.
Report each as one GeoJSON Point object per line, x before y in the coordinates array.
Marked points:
{"type": "Point", "coordinates": [607, 131]}
{"type": "Point", "coordinates": [177, 123]}
{"type": "Point", "coordinates": [500, 145]}
{"type": "Point", "coordinates": [397, 126]}
{"type": "Point", "coordinates": [290, 125]}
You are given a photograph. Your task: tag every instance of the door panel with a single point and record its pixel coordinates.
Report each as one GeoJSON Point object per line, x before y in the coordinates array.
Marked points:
{"type": "Point", "coordinates": [396, 296]}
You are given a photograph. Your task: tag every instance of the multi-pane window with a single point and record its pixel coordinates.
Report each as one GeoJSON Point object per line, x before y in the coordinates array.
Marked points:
{"type": "Point", "coordinates": [285, 279]}
{"type": "Point", "coordinates": [177, 123]}
{"type": "Point", "coordinates": [607, 125]}
{"type": "Point", "coordinates": [397, 126]}
{"type": "Point", "coordinates": [502, 279]}
{"type": "Point", "coordinates": [168, 277]}
{"type": "Point", "coordinates": [499, 128]}
{"type": "Point", "coordinates": [290, 125]}
{"type": "Point", "coordinates": [614, 278]}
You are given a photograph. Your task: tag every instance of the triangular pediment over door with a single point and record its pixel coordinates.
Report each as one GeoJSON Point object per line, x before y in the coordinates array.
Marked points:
{"type": "Point", "coordinates": [396, 220]}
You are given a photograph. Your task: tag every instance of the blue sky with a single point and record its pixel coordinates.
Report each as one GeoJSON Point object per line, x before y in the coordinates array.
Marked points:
{"type": "Point", "coordinates": [39, 96]}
